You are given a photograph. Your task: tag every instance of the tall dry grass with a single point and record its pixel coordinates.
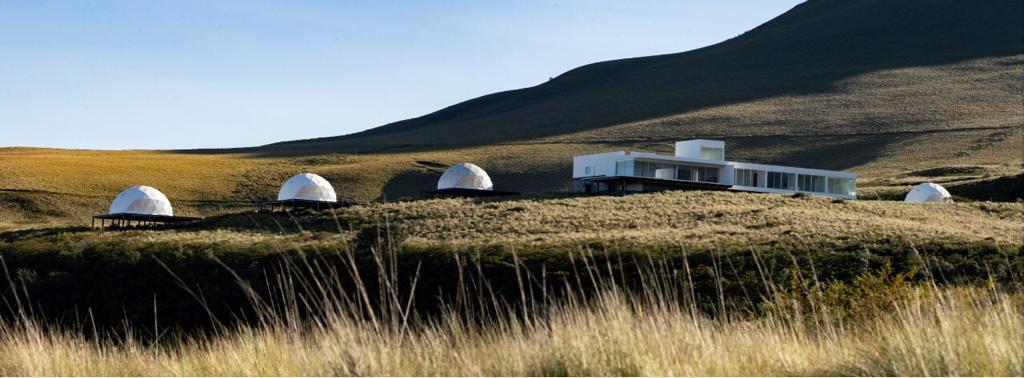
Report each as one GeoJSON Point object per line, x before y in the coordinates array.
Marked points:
{"type": "Point", "coordinates": [935, 332]}
{"type": "Point", "coordinates": [315, 328]}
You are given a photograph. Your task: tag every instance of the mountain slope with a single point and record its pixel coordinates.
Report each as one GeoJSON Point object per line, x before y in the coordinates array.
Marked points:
{"type": "Point", "coordinates": [809, 50]}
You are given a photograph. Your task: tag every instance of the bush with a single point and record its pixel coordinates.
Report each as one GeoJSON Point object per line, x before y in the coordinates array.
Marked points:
{"type": "Point", "coordinates": [378, 236]}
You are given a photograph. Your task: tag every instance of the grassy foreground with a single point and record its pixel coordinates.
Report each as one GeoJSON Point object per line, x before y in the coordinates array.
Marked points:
{"type": "Point", "coordinates": [751, 285]}
{"type": "Point", "coordinates": [926, 331]}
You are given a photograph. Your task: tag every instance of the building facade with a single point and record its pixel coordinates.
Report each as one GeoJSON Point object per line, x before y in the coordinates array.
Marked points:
{"type": "Point", "coordinates": [701, 164]}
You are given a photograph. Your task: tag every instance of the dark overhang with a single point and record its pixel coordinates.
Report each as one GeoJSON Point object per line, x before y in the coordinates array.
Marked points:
{"type": "Point", "coordinates": [136, 220]}
{"type": "Point", "coordinates": [147, 218]}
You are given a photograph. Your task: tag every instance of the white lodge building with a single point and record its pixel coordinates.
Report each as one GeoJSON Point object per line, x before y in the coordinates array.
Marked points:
{"type": "Point", "coordinates": [701, 164]}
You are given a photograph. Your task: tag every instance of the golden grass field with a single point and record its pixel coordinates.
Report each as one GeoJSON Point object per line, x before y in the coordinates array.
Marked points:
{"type": "Point", "coordinates": [908, 332]}
{"type": "Point", "coordinates": [690, 220]}
{"type": "Point", "coordinates": [696, 219]}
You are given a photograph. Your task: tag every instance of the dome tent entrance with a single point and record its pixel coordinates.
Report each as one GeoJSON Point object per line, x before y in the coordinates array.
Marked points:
{"type": "Point", "coordinates": [140, 205]}
{"type": "Point", "coordinates": [928, 192]}
{"type": "Point", "coordinates": [466, 180]}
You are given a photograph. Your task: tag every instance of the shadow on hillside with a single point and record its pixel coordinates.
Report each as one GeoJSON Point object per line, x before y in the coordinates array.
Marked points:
{"type": "Point", "coordinates": [12, 236]}
{"type": "Point", "coordinates": [409, 184]}
{"type": "Point", "coordinates": [804, 51]}
{"type": "Point", "coordinates": [835, 153]}
{"type": "Point", "coordinates": [1002, 189]}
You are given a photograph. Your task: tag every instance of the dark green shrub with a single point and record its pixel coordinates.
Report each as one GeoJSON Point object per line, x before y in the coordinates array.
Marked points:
{"type": "Point", "coordinates": [379, 235]}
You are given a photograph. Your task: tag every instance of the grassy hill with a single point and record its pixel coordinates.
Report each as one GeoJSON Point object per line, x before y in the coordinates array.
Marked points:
{"type": "Point", "coordinates": [65, 269]}
{"type": "Point", "coordinates": [819, 47]}
{"type": "Point", "coordinates": [899, 92]}
{"type": "Point", "coordinates": [732, 222]}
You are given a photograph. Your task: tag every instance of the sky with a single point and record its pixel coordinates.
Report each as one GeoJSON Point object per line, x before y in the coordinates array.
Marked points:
{"type": "Point", "coordinates": [147, 74]}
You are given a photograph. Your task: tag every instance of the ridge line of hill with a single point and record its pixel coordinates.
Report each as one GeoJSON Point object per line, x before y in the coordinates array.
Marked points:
{"type": "Point", "coordinates": [803, 51]}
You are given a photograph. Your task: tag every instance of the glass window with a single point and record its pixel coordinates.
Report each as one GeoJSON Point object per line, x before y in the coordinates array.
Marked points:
{"type": "Point", "coordinates": [835, 185]}
{"type": "Point", "coordinates": [650, 169]}
{"type": "Point", "coordinates": [711, 153]}
{"type": "Point", "coordinates": [748, 177]}
{"type": "Point", "coordinates": [638, 168]}
{"type": "Point", "coordinates": [811, 183]}
{"type": "Point", "coordinates": [703, 174]}
{"type": "Point", "coordinates": [624, 168]}
{"type": "Point", "coordinates": [684, 172]}
{"type": "Point", "coordinates": [709, 174]}
{"type": "Point", "coordinates": [694, 173]}
{"type": "Point", "coordinates": [665, 172]}
{"type": "Point", "coordinates": [842, 185]}
{"type": "Point", "coordinates": [780, 180]}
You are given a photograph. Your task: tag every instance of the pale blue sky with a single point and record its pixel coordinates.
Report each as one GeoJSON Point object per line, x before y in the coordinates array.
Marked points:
{"type": "Point", "coordinates": [225, 73]}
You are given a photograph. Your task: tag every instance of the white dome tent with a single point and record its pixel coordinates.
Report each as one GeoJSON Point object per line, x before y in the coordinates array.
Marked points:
{"type": "Point", "coordinates": [928, 192]}
{"type": "Point", "coordinates": [465, 176]}
{"type": "Point", "coordinates": [466, 180]}
{"type": "Point", "coordinates": [306, 190]}
{"type": "Point", "coordinates": [140, 205]}
{"type": "Point", "coordinates": [141, 200]}
{"type": "Point", "coordinates": [307, 187]}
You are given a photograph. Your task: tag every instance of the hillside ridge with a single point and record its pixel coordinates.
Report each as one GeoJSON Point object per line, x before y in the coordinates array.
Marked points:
{"type": "Point", "coordinates": [805, 50]}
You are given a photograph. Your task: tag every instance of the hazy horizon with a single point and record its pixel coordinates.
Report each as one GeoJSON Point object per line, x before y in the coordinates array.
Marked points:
{"type": "Point", "coordinates": [180, 75]}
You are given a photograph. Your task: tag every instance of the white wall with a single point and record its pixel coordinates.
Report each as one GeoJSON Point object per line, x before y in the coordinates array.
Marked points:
{"type": "Point", "coordinates": [691, 148]}
{"type": "Point", "coordinates": [600, 164]}
{"type": "Point", "coordinates": [726, 175]}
